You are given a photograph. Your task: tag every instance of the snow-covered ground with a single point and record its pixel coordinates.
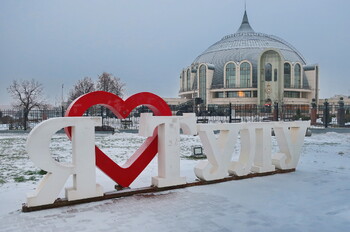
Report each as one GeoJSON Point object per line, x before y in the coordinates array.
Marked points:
{"type": "Point", "coordinates": [4, 126]}
{"type": "Point", "coordinates": [314, 198]}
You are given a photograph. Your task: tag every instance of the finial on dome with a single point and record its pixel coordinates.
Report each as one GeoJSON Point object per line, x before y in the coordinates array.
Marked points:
{"type": "Point", "coordinates": [245, 26]}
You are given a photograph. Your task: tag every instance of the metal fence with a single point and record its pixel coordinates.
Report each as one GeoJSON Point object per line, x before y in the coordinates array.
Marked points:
{"type": "Point", "coordinates": [14, 119]}
{"type": "Point", "coordinates": [249, 112]}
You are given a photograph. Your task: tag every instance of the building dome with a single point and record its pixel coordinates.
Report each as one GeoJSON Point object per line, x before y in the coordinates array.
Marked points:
{"type": "Point", "coordinates": [249, 68]}
{"type": "Point", "coordinates": [245, 44]}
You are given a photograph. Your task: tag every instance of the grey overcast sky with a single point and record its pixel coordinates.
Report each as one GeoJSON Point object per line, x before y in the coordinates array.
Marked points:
{"type": "Point", "coordinates": [147, 43]}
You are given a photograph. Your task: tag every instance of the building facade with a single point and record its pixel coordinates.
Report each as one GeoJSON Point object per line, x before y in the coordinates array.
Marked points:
{"type": "Point", "coordinates": [251, 68]}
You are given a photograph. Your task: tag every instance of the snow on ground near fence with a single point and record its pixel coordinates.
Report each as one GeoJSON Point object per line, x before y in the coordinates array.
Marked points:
{"type": "Point", "coordinates": [314, 198]}
{"type": "Point", "coordinates": [4, 126]}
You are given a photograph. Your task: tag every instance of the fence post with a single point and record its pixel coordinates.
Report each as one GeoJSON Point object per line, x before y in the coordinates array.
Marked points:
{"type": "Point", "coordinates": [313, 112]}
{"type": "Point", "coordinates": [281, 111]}
{"type": "Point", "coordinates": [275, 111]}
{"type": "Point", "coordinates": [101, 112]}
{"type": "Point", "coordinates": [325, 113]}
{"type": "Point", "coordinates": [62, 109]}
{"type": "Point", "coordinates": [341, 113]}
{"type": "Point", "coordinates": [230, 113]}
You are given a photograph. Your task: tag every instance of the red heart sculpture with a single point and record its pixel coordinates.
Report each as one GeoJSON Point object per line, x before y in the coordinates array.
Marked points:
{"type": "Point", "coordinates": [126, 174]}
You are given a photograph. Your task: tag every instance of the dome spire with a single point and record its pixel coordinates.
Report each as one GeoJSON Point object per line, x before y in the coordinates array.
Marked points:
{"type": "Point", "coordinates": [245, 26]}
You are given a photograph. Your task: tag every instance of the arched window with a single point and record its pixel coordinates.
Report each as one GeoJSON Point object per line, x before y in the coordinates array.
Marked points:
{"type": "Point", "coordinates": [188, 86]}
{"type": "Point", "coordinates": [245, 75]}
{"type": "Point", "coordinates": [230, 75]}
{"type": "Point", "coordinates": [202, 83]}
{"type": "Point", "coordinates": [268, 72]}
{"type": "Point", "coordinates": [297, 76]}
{"type": "Point", "coordinates": [287, 80]}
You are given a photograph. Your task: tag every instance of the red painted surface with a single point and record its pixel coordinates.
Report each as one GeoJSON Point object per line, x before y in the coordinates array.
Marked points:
{"type": "Point", "coordinates": [123, 175]}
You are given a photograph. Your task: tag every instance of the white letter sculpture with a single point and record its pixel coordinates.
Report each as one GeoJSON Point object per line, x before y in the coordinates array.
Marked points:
{"type": "Point", "coordinates": [218, 150]}
{"type": "Point", "coordinates": [255, 154]}
{"type": "Point", "coordinates": [168, 144]}
{"type": "Point", "coordinates": [82, 167]}
{"type": "Point", "coordinates": [290, 138]}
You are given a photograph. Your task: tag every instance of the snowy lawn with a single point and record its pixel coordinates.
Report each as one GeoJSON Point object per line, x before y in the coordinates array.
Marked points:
{"type": "Point", "coordinates": [314, 198]}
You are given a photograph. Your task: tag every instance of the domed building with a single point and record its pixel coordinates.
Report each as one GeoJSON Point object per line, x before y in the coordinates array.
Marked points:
{"type": "Point", "coordinates": [252, 68]}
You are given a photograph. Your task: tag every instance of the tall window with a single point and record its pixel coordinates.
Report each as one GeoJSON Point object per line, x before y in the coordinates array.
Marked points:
{"type": "Point", "coordinates": [287, 79]}
{"type": "Point", "coordinates": [188, 86]}
{"type": "Point", "coordinates": [268, 72]}
{"type": "Point", "coordinates": [275, 74]}
{"type": "Point", "coordinates": [297, 76]}
{"type": "Point", "coordinates": [245, 75]}
{"type": "Point", "coordinates": [195, 84]}
{"type": "Point", "coordinates": [230, 75]}
{"type": "Point", "coordinates": [202, 83]}
{"type": "Point", "coordinates": [183, 80]}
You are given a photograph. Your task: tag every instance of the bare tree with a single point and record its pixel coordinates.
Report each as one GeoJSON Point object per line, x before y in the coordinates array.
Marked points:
{"type": "Point", "coordinates": [27, 95]}
{"type": "Point", "coordinates": [109, 83]}
{"type": "Point", "coordinates": [83, 86]}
